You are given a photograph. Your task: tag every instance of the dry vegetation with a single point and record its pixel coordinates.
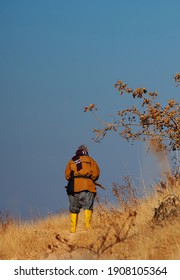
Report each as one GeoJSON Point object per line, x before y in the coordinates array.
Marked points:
{"type": "Point", "coordinates": [146, 120]}
{"type": "Point", "coordinates": [134, 229]}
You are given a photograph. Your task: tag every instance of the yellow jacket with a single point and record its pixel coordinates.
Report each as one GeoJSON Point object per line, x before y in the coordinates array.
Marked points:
{"type": "Point", "coordinates": [90, 170]}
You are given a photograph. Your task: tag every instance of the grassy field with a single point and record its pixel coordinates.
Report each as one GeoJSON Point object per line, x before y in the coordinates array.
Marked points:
{"type": "Point", "coordinates": [133, 229]}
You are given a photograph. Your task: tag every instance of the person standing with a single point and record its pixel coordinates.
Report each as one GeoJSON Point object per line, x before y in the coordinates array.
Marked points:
{"type": "Point", "coordinates": [81, 173]}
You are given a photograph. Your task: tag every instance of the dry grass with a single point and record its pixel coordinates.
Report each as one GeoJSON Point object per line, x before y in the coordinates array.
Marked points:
{"type": "Point", "coordinates": [127, 231]}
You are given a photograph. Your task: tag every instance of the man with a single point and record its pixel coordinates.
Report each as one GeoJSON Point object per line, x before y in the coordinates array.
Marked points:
{"type": "Point", "coordinates": [83, 171]}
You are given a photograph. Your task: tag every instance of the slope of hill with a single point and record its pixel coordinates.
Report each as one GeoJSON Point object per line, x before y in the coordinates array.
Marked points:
{"type": "Point", "coordinates": [131, 230]}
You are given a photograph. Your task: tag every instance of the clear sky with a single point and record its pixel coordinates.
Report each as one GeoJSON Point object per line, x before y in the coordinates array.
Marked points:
{"type": "Point", "coordinates": [57, 57]}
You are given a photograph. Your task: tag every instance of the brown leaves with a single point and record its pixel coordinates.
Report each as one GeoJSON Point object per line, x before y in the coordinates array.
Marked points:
{"type": "Point", "coordinates": [177, 78]}
{"type": "Point", "coordinates": [147, 119]}
{"type": "Point", "coordinates": [138, 93]}
{"type": "Point", "coordinates": [152, 120]}
{"type": "Point", "coordinates": [98, 132]}
{"type": "Point", "coordinates": [145, 101]}
{"type": "Point", "coordinates": [90, 107]}
{"type": "Point", "coordinates": [153, 94]}
{"type": "Point", "coordinates": [172, 103]}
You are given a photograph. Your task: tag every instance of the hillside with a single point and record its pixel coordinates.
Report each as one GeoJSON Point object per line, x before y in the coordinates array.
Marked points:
{"type": "Point", "coordinates": [125, 231]}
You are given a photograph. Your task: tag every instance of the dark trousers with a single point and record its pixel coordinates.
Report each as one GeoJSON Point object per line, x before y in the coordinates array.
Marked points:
{"type": "Point", "coordinates": [84, 199]}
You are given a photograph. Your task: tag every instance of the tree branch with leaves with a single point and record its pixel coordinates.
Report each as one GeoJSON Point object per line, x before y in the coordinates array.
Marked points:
{"type": "Point", "coordinates": [146, 121]}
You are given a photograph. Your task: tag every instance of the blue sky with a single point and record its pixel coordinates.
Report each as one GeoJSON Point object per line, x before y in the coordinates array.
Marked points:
{"type": "Point", "coordinates": [57, 57]}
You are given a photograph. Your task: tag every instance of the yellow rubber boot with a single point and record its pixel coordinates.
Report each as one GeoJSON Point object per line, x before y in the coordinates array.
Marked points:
{"type": "Point", "coordinates": [88, 217]}
{"type": "Point", "coordinates": [74, 217]}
